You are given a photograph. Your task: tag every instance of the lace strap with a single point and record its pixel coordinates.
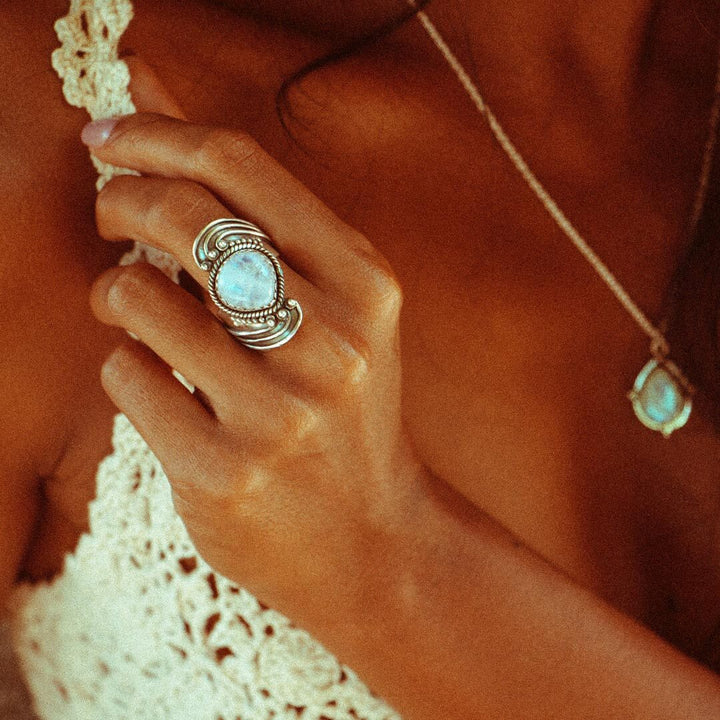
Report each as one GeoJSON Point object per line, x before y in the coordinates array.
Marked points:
{"type": "Point", "coordinates": [95, 78]}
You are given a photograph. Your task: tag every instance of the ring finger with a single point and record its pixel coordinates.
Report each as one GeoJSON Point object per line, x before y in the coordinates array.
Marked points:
{"type": "Point", "coordinates": [168, 214]}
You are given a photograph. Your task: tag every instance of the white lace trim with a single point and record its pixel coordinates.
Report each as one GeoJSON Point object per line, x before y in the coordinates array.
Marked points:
{"type": "Point", "coordinates": [95, 78]}
{"type": "Point", "coordinates": [138, 625]}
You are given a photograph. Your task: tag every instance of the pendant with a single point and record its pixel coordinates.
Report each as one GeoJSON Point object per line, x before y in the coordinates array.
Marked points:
{"type": "Point", "coordinates": [661, 396]}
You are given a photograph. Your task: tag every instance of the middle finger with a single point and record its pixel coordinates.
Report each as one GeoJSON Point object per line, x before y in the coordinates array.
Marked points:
{"type": "Point", "coordinates": [248, 180]}
{"type": "Point", "coordinates": [168, 214]}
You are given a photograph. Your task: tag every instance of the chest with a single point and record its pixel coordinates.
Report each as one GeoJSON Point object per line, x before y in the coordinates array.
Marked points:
{"type": "Point", "coordinates": [517, 360]}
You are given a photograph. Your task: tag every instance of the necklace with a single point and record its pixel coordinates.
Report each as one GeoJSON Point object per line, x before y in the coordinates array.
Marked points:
{"type": "Point", "coordinates": [661, 395]}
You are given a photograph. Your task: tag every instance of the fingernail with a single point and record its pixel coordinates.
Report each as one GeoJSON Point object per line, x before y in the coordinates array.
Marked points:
{"type": "Point", "coordinates": [113, 372]}
{"type": "Point", "coordinates": [95, 134]}
{"type": "Point", "coordinates": [102, 286]}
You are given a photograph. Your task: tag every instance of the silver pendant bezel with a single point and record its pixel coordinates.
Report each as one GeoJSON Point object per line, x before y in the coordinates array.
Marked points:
{"type": "Point", "coordinates": [668, 427]}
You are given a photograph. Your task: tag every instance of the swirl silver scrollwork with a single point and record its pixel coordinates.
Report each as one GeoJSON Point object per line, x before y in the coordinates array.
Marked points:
{"type": "Point", "coordinates": [246, 282]}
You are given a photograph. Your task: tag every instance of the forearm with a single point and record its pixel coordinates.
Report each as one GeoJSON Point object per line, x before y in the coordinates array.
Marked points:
{"type": "Point", "coordinates": [467, 623]}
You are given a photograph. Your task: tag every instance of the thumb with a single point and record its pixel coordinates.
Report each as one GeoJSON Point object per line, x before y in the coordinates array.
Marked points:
{"type": "Point", "coordinates": [147, 90]}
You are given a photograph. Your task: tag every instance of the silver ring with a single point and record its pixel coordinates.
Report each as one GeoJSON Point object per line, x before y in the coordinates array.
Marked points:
{"type": "Point", "coordinates": [246, 283]}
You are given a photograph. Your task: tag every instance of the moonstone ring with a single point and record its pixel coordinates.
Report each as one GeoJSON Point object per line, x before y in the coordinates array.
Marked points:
{"type": "Point", "coordinates": [246, 282]}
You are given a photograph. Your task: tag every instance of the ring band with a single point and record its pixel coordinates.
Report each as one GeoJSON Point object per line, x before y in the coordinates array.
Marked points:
{"type": "Point", "coordinates": [246, 283]}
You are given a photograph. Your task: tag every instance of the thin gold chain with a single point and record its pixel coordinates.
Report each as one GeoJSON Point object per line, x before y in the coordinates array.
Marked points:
{"type": "Point", "coordinates": [659, 343]}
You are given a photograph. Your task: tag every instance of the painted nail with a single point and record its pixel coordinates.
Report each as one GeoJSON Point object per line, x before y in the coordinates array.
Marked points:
{"type": "Point", "coordinates": [95, 134]}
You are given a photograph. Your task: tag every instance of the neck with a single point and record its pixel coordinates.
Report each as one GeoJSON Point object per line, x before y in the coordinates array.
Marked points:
{"type": "Point", "coordinates": [609, 50]}
{"type": "Point", "coordinates": [602, 40]}
{"type": "Point", "coordinates": [608, 45]}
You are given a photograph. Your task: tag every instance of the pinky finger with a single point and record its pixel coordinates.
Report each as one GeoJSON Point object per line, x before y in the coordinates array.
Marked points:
{"type": "Point", "coordinates": [172, 421]}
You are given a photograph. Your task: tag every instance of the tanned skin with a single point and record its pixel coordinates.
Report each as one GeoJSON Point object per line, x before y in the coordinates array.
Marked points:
{"type": "Point", "coordinates": [558, 560]}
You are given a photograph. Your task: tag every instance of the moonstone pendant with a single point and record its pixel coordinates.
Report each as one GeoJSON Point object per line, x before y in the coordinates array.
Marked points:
{"type": "Point", "coordinates": [246, 281]}
{"type": "Point", "coordinates": [661, 397]}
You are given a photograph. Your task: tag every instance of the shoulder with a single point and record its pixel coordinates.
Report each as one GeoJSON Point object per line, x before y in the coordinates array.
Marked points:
{"type": "Point", "coordinates": [50, 249]}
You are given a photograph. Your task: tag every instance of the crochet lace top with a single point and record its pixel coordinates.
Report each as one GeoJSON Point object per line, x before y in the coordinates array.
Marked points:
{"type": "Point", "coordinates": [137, 625]}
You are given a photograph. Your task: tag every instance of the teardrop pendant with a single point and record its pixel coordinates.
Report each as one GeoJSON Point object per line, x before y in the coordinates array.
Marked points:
{"type": "Point", "coordinates": [661, 396]}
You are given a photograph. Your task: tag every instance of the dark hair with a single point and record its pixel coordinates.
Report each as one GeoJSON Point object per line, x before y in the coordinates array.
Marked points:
{"type": "Point", "coordinates": [694, 317]}
{"type": "Point", "coordinates": [693, 299]}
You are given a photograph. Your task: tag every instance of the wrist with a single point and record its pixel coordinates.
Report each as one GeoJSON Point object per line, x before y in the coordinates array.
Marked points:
{"type": "Point", "coordinates": [384, 602]}
{"type": "Point", "coordinates": [399, 631]}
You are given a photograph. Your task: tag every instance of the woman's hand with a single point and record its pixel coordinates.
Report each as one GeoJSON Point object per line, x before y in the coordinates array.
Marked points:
{"type": "Point", "coordinates": [294, 477]}
{"type": "Point", "coordinates": [290, 468]}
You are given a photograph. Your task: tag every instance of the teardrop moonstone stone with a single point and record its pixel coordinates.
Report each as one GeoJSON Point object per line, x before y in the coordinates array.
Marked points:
{"type": "Point", "coordinates": [661, 397]}
{"type": "Point", "coordinates": [247, 281]}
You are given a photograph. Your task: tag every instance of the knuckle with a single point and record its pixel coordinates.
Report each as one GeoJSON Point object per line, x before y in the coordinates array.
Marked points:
{"type": "Point", "coordinates": [161, 206]}
{"type": "Point", "coordinates": [253, 482]}
{"type": "Point", "coordinates": [385, 294]}
{"type": "Point", "coordinates": [157, 215]}
{"type": "Point", "coordinates": [203, 471]}
{"type": "Point", "coordinates": [391, 298]}
{"type": "Point", "coordinates": [220, 148]}
{"type": "Point", "coordinates": [176, 200]}
{"type": "Point", "coordinates": [181, 193]}
{"type": "Point", "coordinates": [355, 368]}
{"type": "Point", "coordinates": [299, 423]}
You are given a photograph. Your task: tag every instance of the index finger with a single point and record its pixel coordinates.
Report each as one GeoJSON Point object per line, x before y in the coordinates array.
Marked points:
{"type": "Point", "coordinates": [310, 237]}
